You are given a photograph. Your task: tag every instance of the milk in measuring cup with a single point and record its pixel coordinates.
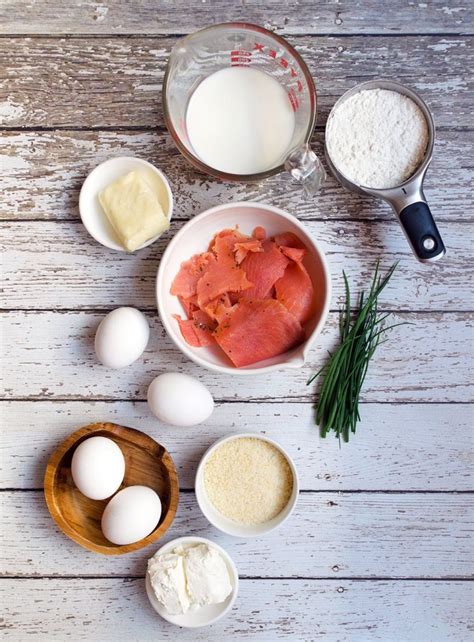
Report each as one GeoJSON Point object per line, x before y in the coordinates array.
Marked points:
{"type": "Point", "coordinates": [240, 120]}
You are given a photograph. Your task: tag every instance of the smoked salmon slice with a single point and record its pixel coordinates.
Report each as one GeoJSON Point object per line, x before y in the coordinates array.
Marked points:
{"type": "Point", "coordinates": [189, 304]}
{"type": "Point", "coordinates": [289, 239]}
{"type": "Point", "coordinates": [226, 239]}
{"type": "Point", "coordinates": [192, 334]}
{"type": "Point", "coordinates": [242, 248]}
{"type": "Point", "coordinates": [259, 233]}
{"type": "Point", "coordinates": [248, 294]}
{"type": "Point", "coordinates": [263, 269]}
{"type": "Point", "coordinates": [198, 330]}
{"type": "Point", "coordinates": [257, 330]}
{"type": "Point", "coordinates": [295, 291]}
{"type": "Point", "coordinates": [222, 272]}
{"type": "Point", "coordinates": [218, 308]}
{"type": "Point", "coordinates": [185, 282]}
{"type": "Point", "coordinates": [221, 275]}
{"type": "Point", "coordinates": [293, 253]}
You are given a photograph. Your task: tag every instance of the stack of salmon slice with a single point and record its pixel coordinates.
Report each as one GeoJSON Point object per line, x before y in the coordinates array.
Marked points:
{"type": "Point", "coordinates": [251, 295]}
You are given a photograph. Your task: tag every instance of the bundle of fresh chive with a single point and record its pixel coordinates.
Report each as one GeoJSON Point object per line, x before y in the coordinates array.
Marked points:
{"type": "Point", "coordinates": [360, 331]}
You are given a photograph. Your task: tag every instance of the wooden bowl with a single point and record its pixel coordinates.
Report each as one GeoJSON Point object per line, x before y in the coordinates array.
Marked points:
{"type": "Point", "coordinates": [146, 463]}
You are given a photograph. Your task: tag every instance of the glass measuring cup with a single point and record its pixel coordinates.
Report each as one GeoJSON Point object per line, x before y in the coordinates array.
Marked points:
{"type": "Point", "coordinates": [197, 56]}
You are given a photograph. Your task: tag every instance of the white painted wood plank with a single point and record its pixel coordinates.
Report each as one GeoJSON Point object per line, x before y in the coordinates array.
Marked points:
{"type": "Point", "coordinates": [182, 16]}
{"type": "Point", "coordinates": [42, 173]}
{"type": "Point", "coordinates": [106, 610]}
{"type": "Point", "coordinates": [51, 266]}
{"type": "Point", "coordinates": [51, 354]}
{"type": "Point", "coordinates": [328, 535]}
{"type": "Point", "coordinates": [112, 82]}
{"type": "Point", "coordinates": [50, 83]}
{"type": "Point", "coordinates": [397, 447]}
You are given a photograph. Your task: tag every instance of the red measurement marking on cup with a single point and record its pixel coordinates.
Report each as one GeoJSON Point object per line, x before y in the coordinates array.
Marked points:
{"type": "Point", "coordinates": [240, 57]}
{"type": "Point", "coordinates": [281, 62]}
{"type": "Point", "coordinates": [295, 103]}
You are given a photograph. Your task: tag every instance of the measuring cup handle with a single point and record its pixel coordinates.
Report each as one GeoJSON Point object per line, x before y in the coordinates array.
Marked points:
{"type": "Point", "coordinates": [421, 231]}
{"type": "Point", "coordinates": [306, 168]}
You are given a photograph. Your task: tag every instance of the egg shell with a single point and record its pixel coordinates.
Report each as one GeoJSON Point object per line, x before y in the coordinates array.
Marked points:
{"type": "Point", "coordinates": [121, 337]}
{"type": "Point", "coordinates": [131, 515]}
{"type": "Point", "coordinates": [179, 399]}
{"type": "Point", "coordinates": [98, 467]}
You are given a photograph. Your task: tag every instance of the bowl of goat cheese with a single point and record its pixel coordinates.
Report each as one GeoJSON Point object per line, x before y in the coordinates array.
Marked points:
{"type": "Point", "coordinates": [191, 582]}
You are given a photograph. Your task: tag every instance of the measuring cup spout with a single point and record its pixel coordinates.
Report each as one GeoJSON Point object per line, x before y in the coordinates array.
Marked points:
{"type": "Point", "coordinates": [306, 168]}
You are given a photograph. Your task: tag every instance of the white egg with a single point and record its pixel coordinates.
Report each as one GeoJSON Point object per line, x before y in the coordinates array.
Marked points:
{"type": "Point", "coordinates": [121, 337]}
{"type": "Point", "coordinates": [98, 467]}
{"type": "Point", "coordinates": [179, 399]}
{"type": "Point", "coordinates": [131, 515]}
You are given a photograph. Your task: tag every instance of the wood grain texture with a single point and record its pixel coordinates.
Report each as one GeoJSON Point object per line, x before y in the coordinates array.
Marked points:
{"type": "Point", "coordinates": [397, 447]}
{"type": "Point", "coordinates": [42, 173]}
{"type": "Point", "coordinates": [328, 535]}
{"type": "Point", "coordinates": [147, 463]}
{"type": "Point", "coordinates": [106, 74]}
{"type": "Point", "coordinates": [56, 350]}
{"type": "Point", "coordinates": [50, 82]}
{"type": "Point", "coordinates": [53, 266]}
{"type": "Point", "coordinates": [179, 16]}
{"type": "Point", "coordinates": [344, 611]}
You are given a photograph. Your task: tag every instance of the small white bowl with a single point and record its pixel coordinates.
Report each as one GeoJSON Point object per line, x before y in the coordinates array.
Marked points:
{"type": "Point", "coordinates": [92, 215]}
{"type": "Point", "coordinates": [207, 614]}
{"type": "Point", "coordinates": [227, 525]}
{"type": "Point", "coordinates": [194, 237]}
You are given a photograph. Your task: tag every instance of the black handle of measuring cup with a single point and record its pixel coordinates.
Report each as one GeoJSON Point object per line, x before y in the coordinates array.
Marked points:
{"type": "Point", "coordinates": [421, 231]}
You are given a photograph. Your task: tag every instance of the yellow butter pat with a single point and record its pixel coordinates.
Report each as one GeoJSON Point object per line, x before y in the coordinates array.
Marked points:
{"type": "Point", "coordinates": [133, 210]}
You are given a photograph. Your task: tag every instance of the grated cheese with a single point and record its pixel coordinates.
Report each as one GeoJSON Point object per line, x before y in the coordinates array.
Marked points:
{"type": "Point", "coordinates": [248, 480]}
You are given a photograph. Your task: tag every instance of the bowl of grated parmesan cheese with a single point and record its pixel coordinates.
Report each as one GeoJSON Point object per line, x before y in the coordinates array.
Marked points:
{"type": "Point", "coordinates": [246, 485]}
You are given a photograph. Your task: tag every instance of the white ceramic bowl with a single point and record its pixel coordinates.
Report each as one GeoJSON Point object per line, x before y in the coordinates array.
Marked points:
{"type": "Point", "coordinates": [92, 215]}
{"type": "Point", "coordinates": [207, 614]}
{"type": "Point", "coordinates": [227, 525]}
{"type": "Point", "coordinates": [195, 236]}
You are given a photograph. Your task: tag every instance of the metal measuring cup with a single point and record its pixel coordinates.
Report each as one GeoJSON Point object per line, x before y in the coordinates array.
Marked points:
{"type": "Point", "coordinates": [407, 199]}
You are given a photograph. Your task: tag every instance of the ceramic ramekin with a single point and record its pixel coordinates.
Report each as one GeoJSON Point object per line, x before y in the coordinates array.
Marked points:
{"type": "Point", "coordinates": [207, 614]}
{"type": "Point", "coordinates": [227, 525]}
{"type": "Point", "coordinates": [94, 218]}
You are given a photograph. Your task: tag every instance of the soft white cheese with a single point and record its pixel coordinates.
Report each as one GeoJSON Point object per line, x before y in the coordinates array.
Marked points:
{"type": "Point", "coordinates": [169, 582]}
{"type": "Point", "coordinates": [188, 578]}
{"type": "Point", "coordinates": [207, 577]}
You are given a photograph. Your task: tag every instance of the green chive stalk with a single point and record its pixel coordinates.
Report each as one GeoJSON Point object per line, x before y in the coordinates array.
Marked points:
{"type": "Point", "coordinates": [360, 332]}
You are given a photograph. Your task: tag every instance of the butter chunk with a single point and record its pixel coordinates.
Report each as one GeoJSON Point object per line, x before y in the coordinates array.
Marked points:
{"type": "Point", "coordinates": [133, 210]}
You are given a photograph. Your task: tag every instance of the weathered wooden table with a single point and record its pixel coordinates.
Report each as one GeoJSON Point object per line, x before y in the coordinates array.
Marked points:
{"type": "Point", "coordinates": [378, 548]}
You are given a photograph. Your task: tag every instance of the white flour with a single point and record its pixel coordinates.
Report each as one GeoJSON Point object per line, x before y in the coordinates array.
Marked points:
{"type": "Point", "coordinates": [377, 138]}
